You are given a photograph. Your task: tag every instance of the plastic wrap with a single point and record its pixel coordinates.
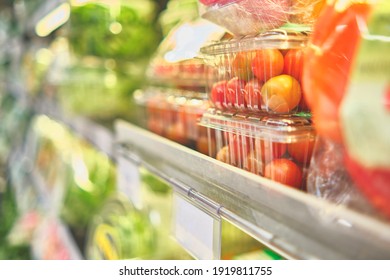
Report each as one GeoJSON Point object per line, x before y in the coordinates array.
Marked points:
{"type": "Point", "coordinates": [244, 17]}
{"type": "Point", "coordinates": [350, 43]}
{"type": "Point", "coordinates": [274, 147]}
{"type": "Point", "coordinates": [257, 73]}
{"type": "Point", "coordinates": [176, 62]}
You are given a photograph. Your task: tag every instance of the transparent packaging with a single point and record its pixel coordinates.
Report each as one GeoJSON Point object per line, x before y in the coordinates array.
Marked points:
{"type": "Point", "coordinates": [259, 73]}
{"type": "Point", "coordinates": [329, 179]}
{"type": "Point", "coordinates": [172, 113]}
{"type": "Point", "coordinates": [187, 74]}
{"type": "Point", "coordinates": [175, 62]}
{"type": "Point", "coordinates": [275, 147]}
{"type": "Point", "coordinates": [245, 17]}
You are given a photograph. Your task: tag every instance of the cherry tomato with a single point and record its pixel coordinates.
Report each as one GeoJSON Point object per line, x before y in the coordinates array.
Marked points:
{"type": "Point", "coordinates": [284, 171]}
{"type": "Point", "coordinates": [206, 146]}
{"type": "Point", "coordinates": [224, 155]}
{"type": "Point", "coordinates": [293, 63]}
{"type": "Point", "coordinates": [176, 132]}
{"type": "Point", "coordinates": [267, 150]}
{"type": "Point", "coordinates": [218, 94]}
{"type": "Point", "coordinates": [239, 147]}
{"type": "Point", "coordinates": [301, 151]}
{"type": "Point", "coordinates": [253, 163]}
{"type": "Point", "coordinates": [252, 94]}
{"type": "Point", "coordinates": [281, 94]}
{"type": "Point", "coordinates": [235, 94]}
{"type": "Point", "coordinates": [241, 65]}
{"type": "Point", "coordinates": [267, 63]}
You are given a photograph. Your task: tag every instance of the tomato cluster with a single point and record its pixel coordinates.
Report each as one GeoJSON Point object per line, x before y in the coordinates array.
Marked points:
{"type": "Point", "coordinates": [267, 80]}
{"type": "Point", "coordinates": [279, 160]}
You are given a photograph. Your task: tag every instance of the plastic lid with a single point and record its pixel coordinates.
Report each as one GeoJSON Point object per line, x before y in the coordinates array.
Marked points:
{"type": "Point", "coordinates": [180, 96]}
{"type": "Point", "coordinates": [277, 39]}
{"type": "Point", "coordinates": [278, 128]}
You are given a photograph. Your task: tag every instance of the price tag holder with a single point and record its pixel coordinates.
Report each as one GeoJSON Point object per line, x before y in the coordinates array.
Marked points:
{"type": "Point", "coordinates": [129, 179]}
{"type": "Point", "coordinates": [196, 229]}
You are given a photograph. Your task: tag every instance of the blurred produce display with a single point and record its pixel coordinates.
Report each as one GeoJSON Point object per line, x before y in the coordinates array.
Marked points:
{"type": "Point", "coordinates": [12, 114]}
{"type": "Point", "coordinates": [79, 175]}
{"type": "Point", "coordinates": [114, 29]}
{"type": "Point", "coordinates": [8, 217]}
{"type": "Point", "coordinates": [108, 64]}
{"type": "Point", "coordinates": [120, 231]}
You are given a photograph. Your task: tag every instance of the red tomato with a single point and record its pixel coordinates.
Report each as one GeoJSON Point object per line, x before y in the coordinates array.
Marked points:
{"type": "Point", "coordinates": [241, 65]}
{"type": "Point", "coordinates": [301, 151]}
{"type": "Point", "coordinates": [303, 103]}
{"type": "Point", "coordinates": [156, 126]}
{"type": "Point", "coordinates": [235, 94]}
{"type": "Point", "coordinates": [268, 150]}
{"type": "Point", "coordinates": [239, 147]}
{"type": "Point", "coordinates": [253, 94]}
{"type": "Point", "coordinates": [374, 183]}
{"type": "Point", "coordinates": [293, 63]}
{"type": "Point", "coordinates": [253, 163]}
{"type": "Point", "coordinates": [281, 94]}
{"type": "Point", "coordinates": [284, 171]}
{"type": "Point", "coordinates": [206, 146]}
{"type": "Point", "coordinates": [224, 155]}
{"type": "Point", "coordinates": [176, 132]}
{"type": "Point", "coordinates": [267, 63]}
{"type": "Point", "coordinates": [218, 94]}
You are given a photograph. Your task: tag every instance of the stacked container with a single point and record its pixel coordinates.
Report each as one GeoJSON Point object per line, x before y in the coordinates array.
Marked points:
{"type": "Point", "coordinates": [174, 98]}
{"type": "Point", "coordinates": [259, 120]}
{"type": "Point", "coordinates": [172, 113]}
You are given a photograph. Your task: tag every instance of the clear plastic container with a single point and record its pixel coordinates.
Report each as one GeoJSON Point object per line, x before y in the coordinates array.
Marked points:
{"type": "Point", "coordinates": [257, 73]}
{"type": "Point", "coordinates": [172, 113]}
{"type": "Point", "coordinates": [246, 17]}
{"type": "Point", "coordinates": [275, 147]}
{"type": "Point", "coordinates": [188, 74]}
{"type": "Point", "coordinates": [176, 63]}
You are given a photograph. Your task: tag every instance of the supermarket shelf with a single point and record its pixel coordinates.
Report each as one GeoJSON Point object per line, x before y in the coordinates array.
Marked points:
{"type": "Point", "coordinates": [293, 223]}
{"type": "Point", "coordinates": [99, 136]}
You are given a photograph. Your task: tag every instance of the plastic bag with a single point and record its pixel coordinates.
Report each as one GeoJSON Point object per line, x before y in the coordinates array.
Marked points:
{"type": "Point", "coordinates": [346, 82]}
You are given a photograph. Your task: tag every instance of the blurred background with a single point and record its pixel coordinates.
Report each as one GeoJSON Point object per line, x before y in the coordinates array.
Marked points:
{"type": "Point", "coordinates": [80, 63]}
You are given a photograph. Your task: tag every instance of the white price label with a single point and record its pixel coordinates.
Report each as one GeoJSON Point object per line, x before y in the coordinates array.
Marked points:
{"type": "Point", "coordinates": [129, 180]}
{"type": "Point", "coordinates": [196, 230]}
